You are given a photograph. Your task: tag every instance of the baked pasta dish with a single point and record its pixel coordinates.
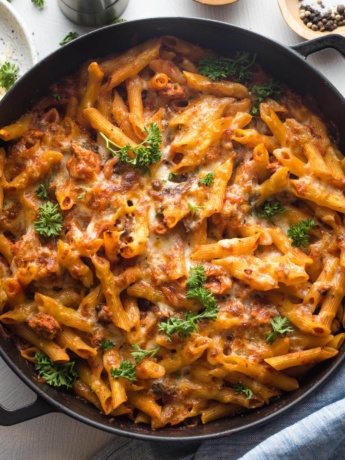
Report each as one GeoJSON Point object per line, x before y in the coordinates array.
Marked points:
{"type": "Point", "coordinates": [172, 235]}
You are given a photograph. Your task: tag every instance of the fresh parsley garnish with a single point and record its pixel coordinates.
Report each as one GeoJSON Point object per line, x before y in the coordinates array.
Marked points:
{"type": "Point", "coordinates": [107, 344]}
{"type": "Point", "coordinates": [272, 89]}
{"type": "Point", "coordinates": [42, 192]}
{"type": "Point", "coordinates": [280, 325]}
{"type": "Point", "coordinates": [126, 370]}
{"type": "Point", "coordinates": [55, 374]}
{"type": "Point", "coordinates": [172, 176]}
{"type": "Point", "coordinates": [145, 154]}
{"type": "Point", "coordinates": [38, 3]}
{"type": "Point", "coordinates": [50, 220]}
{"type": "Point", "coordinates": [8, 75]}
{"type": "Point", "coordinates": [207, 180]}
{"type": "Point", "coordinates": [117, 21]}
{"type": "Point", "coordinates": [240, 388]}
{"type": "Point", "coordinates": [139, 354]}
{"type": "Point", "coordinates": [218, 68]}
{"type": "Point", "coordinates": [183, 327]}
{"type": "Point", "coordinates": [299, 233]}
{"type": "Point", "coordinates": [204, 296]}
{"type": "Point", "coordinates": [193, 208]}
{"type": "Point", "coordinates": [69, 37]}
{"type": "Point", "coordinates": [197, 277]}
{"type": "Point", "coordinates": [270, 209]}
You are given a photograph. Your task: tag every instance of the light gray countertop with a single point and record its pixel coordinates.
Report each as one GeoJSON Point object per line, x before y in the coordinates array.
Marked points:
{"type": "Point", "coordinates": [56, 436]}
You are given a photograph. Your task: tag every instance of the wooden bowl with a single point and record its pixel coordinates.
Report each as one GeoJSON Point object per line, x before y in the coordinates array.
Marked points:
{"type": "Point", "coordinates": [216, 2]}
{"type": "Point", "coordinates": [290, 12]}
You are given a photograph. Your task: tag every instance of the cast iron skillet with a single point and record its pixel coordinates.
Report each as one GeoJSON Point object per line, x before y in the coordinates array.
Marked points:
{"type": "Point", "coordinates": [284, 64]}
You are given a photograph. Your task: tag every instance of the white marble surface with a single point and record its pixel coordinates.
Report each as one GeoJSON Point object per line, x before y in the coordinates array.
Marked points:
{"type": "Point", "coordinates": [56, 436]}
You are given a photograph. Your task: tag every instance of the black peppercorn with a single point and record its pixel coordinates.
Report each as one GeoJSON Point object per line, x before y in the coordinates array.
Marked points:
{"type": "Point", "coordinates": [317, 20]}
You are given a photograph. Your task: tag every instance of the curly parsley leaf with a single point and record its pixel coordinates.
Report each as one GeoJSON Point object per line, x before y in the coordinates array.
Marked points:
{"type": "Point", "coordinates": [280, 325]}
{"type": "Point", "coordinates": [145, 154]}
{"type": "Point", "coordinates": [172, 176]}
{"type": "Point", "coordinates": [204, 296]}
{"type": "Point", "coordinates": [117, 21]}
{"type": "Point", "coordinates": [107, 344]}
{"type": "Point", "coordinates": [50, 220]}
{"type": "Point", "coordinates": [183, 327]}
{"type": "Point", "coordinates": [240, 388]}
{"type": "Point", "coordinates": [139, 354]}
{"type": "Point", "coordinates": [42, 192]}
{"type": "Point", "coordinates": [207, 180]}
{"type": "Point", "coordinates": [197, 277]}
{"type": "Point", "coordinates": [126, 370]}
{"type": "Point", "coordinates": [69, 37]}
{"type": "Point", "coordinates": [270, 209]}
{"type": "Point", "coordinates": [299, 233]}
{"type": "Point", "coordinates": [272, 89]}
{"type": "Point", "coordinates": [55, 374]}
{"type": "Point", "coordinates": [38, 3]}
{"type": "Point", "coordinates": [219, 68]}
{"type": "Point", "coordinates": [193, 208]}
{"type": "Point", "coordinates": [8, 75]}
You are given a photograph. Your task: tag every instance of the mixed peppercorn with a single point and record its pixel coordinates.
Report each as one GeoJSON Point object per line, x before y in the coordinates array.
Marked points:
{"type": "Point", "coordinates": [323, 21]}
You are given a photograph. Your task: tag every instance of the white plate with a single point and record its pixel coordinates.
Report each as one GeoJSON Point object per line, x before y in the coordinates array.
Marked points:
{"type": "Point", "coordinates": [15, 42]}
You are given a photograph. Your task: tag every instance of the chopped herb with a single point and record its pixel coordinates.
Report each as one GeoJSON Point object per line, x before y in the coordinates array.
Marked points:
{"type": "Point", "coordinates": [139, 354]}
{"type": "Point", "coordinates": [218, 67]}
{"type": "Point", "coordinates": [145, 154]}
{"type": "Point", "coordinates": [42, 192]}
{"type": "Point", "coordinates": [80, 197]}
{"type": "Point", "coordinates": [270, 209]}
{"type": "Point", "coordinates": [126, 370]}
{"type": "Point", "coordinates": [280, 325]}
{"type": "Point", "coordinates": [194, 209]}
{"type": "Point", "coordinates": [69, 37]}
{"type": "Point", "coordinates": [197, 277]}
{"type": "Point", "coordinates": [50, 220]}
{"type": "Point", "coordinates": [184, 327]}
{"type": "Point", "coordinates": [117, 21]}
{"type": "Point", "coordinates": [299, 233]}
{"type": "Point", "coordinates": [240, 388]}
{"type": "Point", "coordinates": [272, 89]}
{"type": "Point", "coordinates": [107, 344]}
{"type": "Point", "coordinates": [207, 180]}
{"type": "Point", "coordinates": [38, 3]}
{"type": "Point", "coordinates": [55, 374]}
{"type": "Point", "coordinates": [172, 176]}
{"type": "Point", "coordinates": [8, 75]}
{"type": "Point", "coordinates": [204, 296]}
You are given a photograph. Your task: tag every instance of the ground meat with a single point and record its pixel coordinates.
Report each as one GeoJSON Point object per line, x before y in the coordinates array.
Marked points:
{"type": "Point", "coordinates": [104, 315]}
{"type": "Point", "coordinates": [173, 90]}
{"type": "Point", "coordinates": [44, 325]}
{"type": "Point", "coordinates": [84, 164]}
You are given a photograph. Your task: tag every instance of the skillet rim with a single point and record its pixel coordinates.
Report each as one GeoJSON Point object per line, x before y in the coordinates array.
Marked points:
{"type": "Point", "coordinates": [48, 394]}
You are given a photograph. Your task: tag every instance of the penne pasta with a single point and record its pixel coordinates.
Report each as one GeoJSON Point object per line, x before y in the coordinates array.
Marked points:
{"type": "Point", "coordinates": [170, 238]}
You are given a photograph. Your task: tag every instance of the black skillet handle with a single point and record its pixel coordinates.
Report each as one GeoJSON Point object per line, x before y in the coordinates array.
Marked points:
{"type": "Point", "coordinates": [33, 410]}
{"type": "Point", "coordinates": [308, 47]}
